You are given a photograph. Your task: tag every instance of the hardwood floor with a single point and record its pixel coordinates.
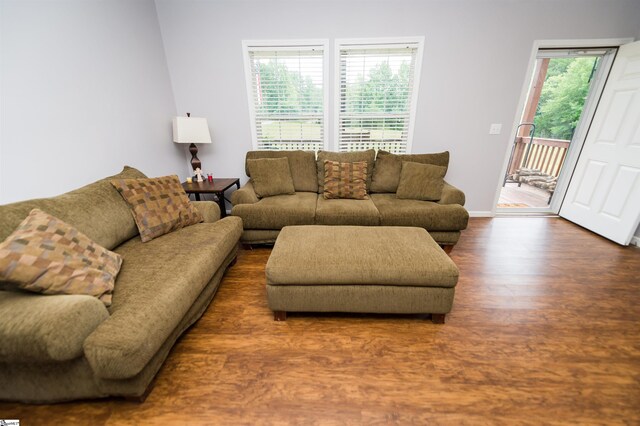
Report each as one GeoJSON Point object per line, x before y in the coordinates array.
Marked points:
{"type": "Point", "coordinates": [545, 329]}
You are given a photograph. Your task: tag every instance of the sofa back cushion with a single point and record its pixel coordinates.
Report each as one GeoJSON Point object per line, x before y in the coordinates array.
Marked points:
{"type": "Point", "coordinates": [301, 163]}
{"type": "Point", "coordinates": [96, 210]}
{"type": "Point", "coordinates": [344, 157]}
{"type": "Point", "coordinates": [386, 173]}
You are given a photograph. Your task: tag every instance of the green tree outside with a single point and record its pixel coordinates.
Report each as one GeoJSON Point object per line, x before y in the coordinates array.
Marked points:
{"type": "Point", "coordinates": [563, 96]}
{"type": "Point", "coordinates": [287, 92]}
{"type": "Point", "coordinates": [382, 92]}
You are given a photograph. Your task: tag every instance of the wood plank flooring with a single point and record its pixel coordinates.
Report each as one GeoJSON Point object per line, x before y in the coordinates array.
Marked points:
{"type": "Point", "coordinates": [545, 329]}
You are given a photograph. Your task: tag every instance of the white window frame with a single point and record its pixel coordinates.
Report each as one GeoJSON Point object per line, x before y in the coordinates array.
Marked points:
{"type": "Point", "coordinates": [378, 42]}
{"type": "Point", "coordinates": [253, 45]}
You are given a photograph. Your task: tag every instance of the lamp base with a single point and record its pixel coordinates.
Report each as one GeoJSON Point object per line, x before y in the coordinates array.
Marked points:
{"type": "Point", "coordinates": [195, 161]}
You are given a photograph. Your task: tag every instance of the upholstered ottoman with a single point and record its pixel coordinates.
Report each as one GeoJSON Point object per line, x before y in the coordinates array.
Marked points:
{"type": "Point", "coordinates": [374, 269]}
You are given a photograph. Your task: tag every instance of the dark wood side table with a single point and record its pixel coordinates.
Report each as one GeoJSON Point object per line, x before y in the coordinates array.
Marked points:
{"type": "Point", "coordinates": [217, 187]}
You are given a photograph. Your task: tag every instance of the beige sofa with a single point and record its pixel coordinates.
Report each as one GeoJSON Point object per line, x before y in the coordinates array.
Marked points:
{"type": "Point", "coordinates": [264, 218]}
{"type": "Point", "coordinates": [63, 347]}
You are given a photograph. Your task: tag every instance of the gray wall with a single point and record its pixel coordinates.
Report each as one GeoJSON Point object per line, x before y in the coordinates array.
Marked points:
{"type": "Point", "coordinates": [85, 90]}
{"type": "Point", "coordinates": [476, 57]}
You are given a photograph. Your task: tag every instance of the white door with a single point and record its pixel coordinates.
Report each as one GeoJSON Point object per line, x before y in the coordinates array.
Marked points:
{"type": "Point", "coordinates": [604, 193]}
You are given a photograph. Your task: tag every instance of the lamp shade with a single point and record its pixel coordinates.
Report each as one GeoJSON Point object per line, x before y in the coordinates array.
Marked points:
{"type": "Point", "coordinates": [191, 130]}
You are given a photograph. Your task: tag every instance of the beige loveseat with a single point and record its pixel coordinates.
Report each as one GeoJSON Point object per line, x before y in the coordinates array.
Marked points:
{"type": "Point", "coordinates": [63, 347]}
{"type": "Point", "coordinates": [264, 218]}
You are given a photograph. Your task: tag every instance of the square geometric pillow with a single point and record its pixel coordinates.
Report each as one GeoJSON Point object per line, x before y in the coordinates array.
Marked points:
{"type": "Point", "coordinates": [46, 255]}
{"type": "Point", "coordinates": [345, 157]}
{"type": "Point", "coordinates": [345, 180]}
{"type": "Point", "coordinates": [159, 205]}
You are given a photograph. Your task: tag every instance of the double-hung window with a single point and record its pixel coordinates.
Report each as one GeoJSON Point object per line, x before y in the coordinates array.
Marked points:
{"type": "Point", "coordinates": [376, 91]}
{"type": "Point", "coordinates": [287, 88]}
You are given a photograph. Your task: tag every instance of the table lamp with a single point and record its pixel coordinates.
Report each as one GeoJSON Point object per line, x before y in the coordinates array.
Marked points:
{"type": "Point", "coordinates": [191, 130]}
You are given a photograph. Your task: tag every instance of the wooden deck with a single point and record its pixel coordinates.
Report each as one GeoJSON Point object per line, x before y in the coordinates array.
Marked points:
{"type": "Point", "coordinates": [544, 330]}
{"type": "Point", "coordinates": [525, 196]}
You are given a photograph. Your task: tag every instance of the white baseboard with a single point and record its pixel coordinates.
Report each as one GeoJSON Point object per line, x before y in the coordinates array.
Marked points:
{"type": "Point", "coordinates": [487, 213]}
{"type": "Point", "coordinates": [635, 241]}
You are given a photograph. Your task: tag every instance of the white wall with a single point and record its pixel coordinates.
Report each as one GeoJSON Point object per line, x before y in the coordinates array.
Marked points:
{"type": "Point", "coordinates": [85, 90]}
{"type": "Point", "coordinates": [476, 57]}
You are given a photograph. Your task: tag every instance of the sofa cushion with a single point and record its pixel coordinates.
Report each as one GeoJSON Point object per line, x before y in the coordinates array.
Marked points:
{"type": "Point", "coordinates": [46, 255]}
{"type": "Point", "coordinates": [437, 158]}
{"type": "Point", "coordinates": [96, 210]}
{"type": "Point", "coordinates": [345, 180]}
{"type": "Point", "coordinates": [271, 176]}
{"type": "Point", "coordinates": [301, 163]}
{"type": "Point", "coordinates": [421, 181]}
{"type": "Point", "coordinates": [346, 212]}
{"type": "Point", "coordinates": [278, 211]}
{"type": "Point", "coordinates": [37, 328]}
{"type": "Point", "coordinates": [158, 284]}
{"type": "Point", "coordinates": [386, 173]}
{"type": "Point", "coordinates": [344, 157]}
{"type": "Point", "coordinates": [160, 205]}
{"type": "Point", "coordinates": [424, 214]}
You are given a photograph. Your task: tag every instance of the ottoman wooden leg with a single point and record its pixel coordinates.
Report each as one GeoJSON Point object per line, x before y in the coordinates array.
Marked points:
{"type": "Point", "coordinates": [447, 248]}
{"type": "Point", "coordinates": [279, 316]}
{"type": "Point", "coordinates": [437, 318]}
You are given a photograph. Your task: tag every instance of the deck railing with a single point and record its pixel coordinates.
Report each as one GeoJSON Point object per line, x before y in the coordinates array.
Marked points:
{"type": "Point", "coordinates": [547, 155]}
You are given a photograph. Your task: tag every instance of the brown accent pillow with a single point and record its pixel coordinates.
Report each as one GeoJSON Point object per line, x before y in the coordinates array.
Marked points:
{"type": "Point", "coordinates": [345, 180]}
{"type": "Point", "coordinates": [159, 205]}
{"type": "Point", "coordinates": [345, 157]}
{"type": "Point", "coordinates": [271, 176]}
{"type": "Point", "coordinates": [386, 173]}
{"type": "Point", "coordinates": [421, 181]}
{"type": "Point", "coordinates": [46, 255]}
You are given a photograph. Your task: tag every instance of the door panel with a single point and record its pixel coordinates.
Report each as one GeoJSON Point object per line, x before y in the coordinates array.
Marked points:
{"type": "Point", "coordinates": [604, 194]}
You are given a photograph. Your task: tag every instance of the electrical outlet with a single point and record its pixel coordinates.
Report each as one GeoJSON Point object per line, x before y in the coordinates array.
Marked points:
{"type": "Point", "coordinates": [495, 129]}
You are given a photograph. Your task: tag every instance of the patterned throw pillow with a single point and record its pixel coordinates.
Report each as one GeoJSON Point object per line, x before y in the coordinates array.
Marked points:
{"type": "Point", "coordinates": [46, 255]}
{"type": "Point", "coordinates": [345, 180]}
{"type": "Point", "coordinates": [159, 205]}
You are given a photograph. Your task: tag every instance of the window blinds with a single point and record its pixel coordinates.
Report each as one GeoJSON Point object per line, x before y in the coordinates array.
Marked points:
{"type": "Point", "coordinates": [376, 84]}
{"type": "Point", "coordinates": [287, 86]}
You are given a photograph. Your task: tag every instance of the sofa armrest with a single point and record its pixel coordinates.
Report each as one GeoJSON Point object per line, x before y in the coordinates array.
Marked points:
{"type": "Point", "coordinates": [244, 195]}
{"type": "Point", "coordinates": [451, 195]}
{"type": "Point", "coordinates": [45, 328]}
{"type": "Point", "coordinates": [209, 210]}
